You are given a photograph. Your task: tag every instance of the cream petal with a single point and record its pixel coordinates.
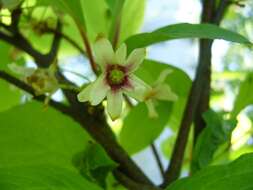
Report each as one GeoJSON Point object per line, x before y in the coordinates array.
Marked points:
{"type": "Point", "coordinates": [138, 88]}
{"type": "Point", "coordinates": [135, 59]}
{"type": "Point", "coordinates": [103, 52]}
{"type": "Point", "coordinates": [164, 92]}
{"type": "Point", "coordinates": [151, 109]}
{"type": "Point", "coordinates": [98, 91]}
{"type": "Point", "coordinates": [121, 54]}
{"type": "Point", "coordinates": [24, 71]}
{"type": "Point", "coordinates": [163, 75]}
{"type": "Point", "coordinates": [84, 95]}
{"type": "Point", "coordinates": [114, 104]}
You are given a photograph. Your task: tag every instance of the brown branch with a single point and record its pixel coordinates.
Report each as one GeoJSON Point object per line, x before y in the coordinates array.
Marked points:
{"type": "Point", "coordinates": [67, 38]}
{"type": "Point", "coordinates": [131, 184]}
{"type": "Point", "coordinates": [50, 56]}
{"type": "Point", "coordinates": [202, 81]}
{"type": "Point", "coordinates": [25, 87]}
{"type": "Point", "coordinates": [95, 124]}
{"type": "Point", "coordinates": [88, 50]}
{"type": "Point", "coordinates": [221, 10]}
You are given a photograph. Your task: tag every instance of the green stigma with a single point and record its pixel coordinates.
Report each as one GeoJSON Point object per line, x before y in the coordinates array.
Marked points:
{"type": "Point", "coordinates": [116, 76]}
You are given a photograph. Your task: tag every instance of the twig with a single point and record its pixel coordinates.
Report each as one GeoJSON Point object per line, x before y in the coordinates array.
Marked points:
{"type": "Point", "coordinates": [67, 38]}
{"type": "Point", "coordinates": [52, 54]}
{"type": "Point", "coordinates": [158, 160]}
{"type": "Point", "coordinates": [88, 50]}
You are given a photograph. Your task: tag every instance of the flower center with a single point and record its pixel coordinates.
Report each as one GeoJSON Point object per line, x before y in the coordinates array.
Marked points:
{"type": "Point", "coordinates": [116, 76]}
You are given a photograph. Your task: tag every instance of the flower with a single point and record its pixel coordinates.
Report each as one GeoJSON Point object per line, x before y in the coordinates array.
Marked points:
{"type": "Point", "coordinates": [159, 91]}
{"type": "Point", "coordinates": [116, 79]}
{"type": "Point", "coordinates": [42, 80]}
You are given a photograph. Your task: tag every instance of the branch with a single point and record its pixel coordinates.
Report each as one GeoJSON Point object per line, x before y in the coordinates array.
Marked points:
{"type": "Point", "coordinates": [67, 38]}
{"type": "Point", "coordinates": [21, 43]}
{"type": "Point", "coordinates": [221, 10]}
{"type": "Point", "coordinates": [202, 81]}
{"type": "Point", "coordinates": [205, 56]}
{"type": "Point", "coordinates": [88, 50]}
{"type": "Point", "coordinates": [130, 184]}
{"type": "Point", "coordinates": [23, 86]}
{"type": "Point", "coordinates": [55, 44]}
{"type": "Point", "coordinates": [95, 125]}
{"type": "Point", "coordinates": [158, 160]}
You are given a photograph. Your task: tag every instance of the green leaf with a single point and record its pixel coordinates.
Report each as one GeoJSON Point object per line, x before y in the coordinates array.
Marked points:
{"type": "Point", "coordinates": [43, 178]}
{"type": "Point", "coordinates": [97, 19]}
{"type": "Point", "coordinates": [178, 80]}
{"type": "Point", "coordinates": [5, 52]}
{"type": "Point", "coordinates": [217, 133]}
{"type": "Point", "coordinates": [184, 30]}
{"type": "Point", "coordinates": [95, 164]}
{"type": "Point", "coordinates": [139, 131]}
{"type": "Point", "coordinates": [111, 4]}
{"type": "Point", "coordinates": [10, 96]}
{"type": "Point", "coordinates": [243, 97]}
{"type": "Point", "coordinates": [132, 18]}
{"type": "Point", "coordinates": [73, 8]}
{"type": "Point", "coordinates": [234, 176]}
{"type": "Point", "coordinates": [33, 135]}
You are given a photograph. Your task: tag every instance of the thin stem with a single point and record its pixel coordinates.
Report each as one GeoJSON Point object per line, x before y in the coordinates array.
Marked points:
{"type": "Point", "coordinates": [88, 50]}
{"type": "Point", "coordinates": [158, 160]}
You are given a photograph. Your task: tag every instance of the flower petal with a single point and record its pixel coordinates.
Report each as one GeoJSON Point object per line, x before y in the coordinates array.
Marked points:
{"type": "Point", "coordinates": [121, 54]}
{"type": "Point", "coordinates": [84, 95]}
{"type": "Point", "coordinates": [151, 109]}
{"type": "Point", "coordinates": [114, 104]}
{"type": "Point", "coordinates": [104, 52]}
{"type": "Point", "coordinates": [135, 59]}
{"type": "Point", "coordinates": [138, 90]}
{"type": "Point", "coordinates": [163, 75]}
{"type": "Point", "coordinates": [98, 91]}
{"type": "Point", "coordinates": [24, 71]}
{"type": "Point", "coordinates": [164, 92]}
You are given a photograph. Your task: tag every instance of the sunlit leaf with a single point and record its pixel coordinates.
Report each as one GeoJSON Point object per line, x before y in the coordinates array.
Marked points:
{"type": "Point", "coordinates": [43, 178]}
{"type": "Point", "coordinates": [184, 30]}
{"type": "Point", "coordinates": [139, 131]}
{"type": "Point", "coordinates": [95, 164]}
{"type": "Point", "coordinates": [217, 132]}
{"type": "Point", "coordinates": [234, 176]}
{"type": "Point", "coordinates": [33, 135]}
{"type": "Point", "coordinates": [243, 97]}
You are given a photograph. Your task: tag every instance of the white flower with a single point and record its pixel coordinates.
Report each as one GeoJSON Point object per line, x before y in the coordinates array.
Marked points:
{"type": "Point", "coordinates": [159, 91]}
{"type": "Point", "coordinates": [116, 79]}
